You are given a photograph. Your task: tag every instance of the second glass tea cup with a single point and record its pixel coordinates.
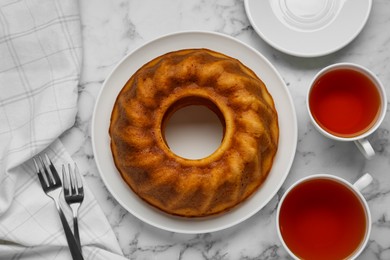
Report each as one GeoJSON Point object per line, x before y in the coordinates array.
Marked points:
{"type": "Point", "coordinates": [318, 218]}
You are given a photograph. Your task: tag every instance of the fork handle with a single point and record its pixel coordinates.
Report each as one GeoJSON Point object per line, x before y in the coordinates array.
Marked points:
{"type": "Point", "coordinates": [73, 246]}
{"type": "Point", "coordinates": [76, 231]}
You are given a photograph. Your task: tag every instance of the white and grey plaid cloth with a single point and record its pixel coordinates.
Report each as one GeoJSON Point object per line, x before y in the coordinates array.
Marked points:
{"type": "Point", "coordinates": [40, 60]}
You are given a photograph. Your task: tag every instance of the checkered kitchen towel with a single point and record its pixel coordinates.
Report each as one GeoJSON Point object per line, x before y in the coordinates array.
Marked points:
{"type": "Point", "coordinates": [40, 59]}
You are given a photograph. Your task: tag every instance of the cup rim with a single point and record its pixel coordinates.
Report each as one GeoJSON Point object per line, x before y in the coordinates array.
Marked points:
{"type": "Point", "coordinates": [358, 251]}
{"type": "Point", "coordinates": [378, 84]}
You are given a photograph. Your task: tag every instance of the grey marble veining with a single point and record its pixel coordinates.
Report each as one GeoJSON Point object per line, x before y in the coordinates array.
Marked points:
{"type": "Point", "coordinates": [111, 29]}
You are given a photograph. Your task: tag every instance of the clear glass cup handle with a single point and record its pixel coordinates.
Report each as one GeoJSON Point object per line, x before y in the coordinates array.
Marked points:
{"type": "Point", "coordinates": [365, 147]}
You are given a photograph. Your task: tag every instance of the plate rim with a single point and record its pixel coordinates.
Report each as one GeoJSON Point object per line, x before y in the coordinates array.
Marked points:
{"type": "Point", "coordinates": [303, 54]}
{"type": "Point", "coordinates": [287, 163]}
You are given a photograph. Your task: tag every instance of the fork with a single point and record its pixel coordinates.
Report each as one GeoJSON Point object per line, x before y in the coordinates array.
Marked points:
{"type": "Point", "coordinates": [51, 185]}
{"type": "Point", "coordinates": [73, 194]}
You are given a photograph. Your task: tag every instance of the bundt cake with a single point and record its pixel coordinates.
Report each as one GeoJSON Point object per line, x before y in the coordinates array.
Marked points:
{"type": "Point", "coordinates": [186, 187]}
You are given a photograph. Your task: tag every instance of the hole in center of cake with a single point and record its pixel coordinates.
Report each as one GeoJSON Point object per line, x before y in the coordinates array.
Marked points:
{"type": "Point", "coordinates": [193, 129]}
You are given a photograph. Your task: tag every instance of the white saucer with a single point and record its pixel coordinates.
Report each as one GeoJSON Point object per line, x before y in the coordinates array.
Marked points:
{"type": "Point", "coordinates": [308, 28]}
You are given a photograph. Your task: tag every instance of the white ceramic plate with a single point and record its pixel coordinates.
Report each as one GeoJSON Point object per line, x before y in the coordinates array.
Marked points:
{"type": "Point", "coordinates": [217, 42]}
{"type": "Point", "coordinates": [308, 28]}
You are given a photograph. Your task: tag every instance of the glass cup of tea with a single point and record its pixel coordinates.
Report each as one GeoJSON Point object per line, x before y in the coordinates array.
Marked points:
{"type": "Point", "coordinates": [324, 217]}
{"type": "Point", "coordinates": [347, 102]}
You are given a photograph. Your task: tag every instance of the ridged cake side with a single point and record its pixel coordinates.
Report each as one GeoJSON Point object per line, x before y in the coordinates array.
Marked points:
{"type": "Point", "coordinates": [194, 188]}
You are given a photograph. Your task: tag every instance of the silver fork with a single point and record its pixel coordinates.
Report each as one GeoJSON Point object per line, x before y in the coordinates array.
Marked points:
{"type": "Point", "coordinates": [74, 194]}
{"type": "Point", "coordinates": [51, 185]}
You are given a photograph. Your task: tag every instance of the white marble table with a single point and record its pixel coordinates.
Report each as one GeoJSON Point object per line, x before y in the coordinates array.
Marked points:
{"type": "Point", "coordinates": [111, 29]}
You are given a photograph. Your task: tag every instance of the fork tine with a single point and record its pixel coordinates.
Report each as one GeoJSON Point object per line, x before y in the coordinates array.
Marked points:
{"type": "Point", "coordinates": [44, 184]}
{"type": "Point", "coordinates": [65, 179]}
{"type": "Point", "coordinates": [79, 182]}
{"type": "Point", "coordinates": [46, 171]}
{"type": "Point", "coordinates": [53, 170]}
{"type": "Point", "coordinates": [72, 180]}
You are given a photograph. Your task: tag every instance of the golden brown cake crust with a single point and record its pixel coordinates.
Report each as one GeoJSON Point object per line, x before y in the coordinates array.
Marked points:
{"type": "Point", "coordinates": [184, 187]}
